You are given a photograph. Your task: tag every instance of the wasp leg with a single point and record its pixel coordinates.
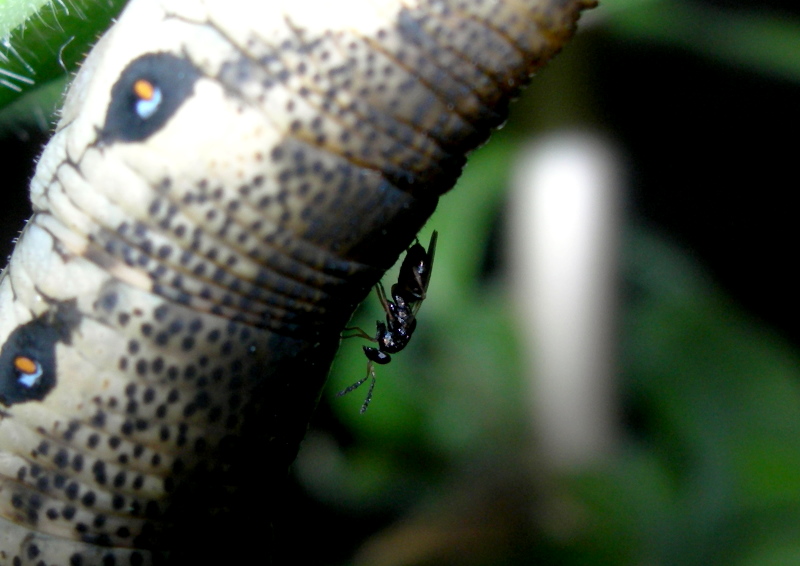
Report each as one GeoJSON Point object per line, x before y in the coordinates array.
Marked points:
{"type": "Point", "coordinates": [357, 333]}
{"type": "Point", "coordinates": [385, 303]}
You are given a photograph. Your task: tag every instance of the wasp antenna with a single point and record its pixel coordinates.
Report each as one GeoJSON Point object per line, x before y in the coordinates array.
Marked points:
{"type": "Point", "coordinates": [356, 385]}
{"type": "Point", "coordinates": [371, 388]}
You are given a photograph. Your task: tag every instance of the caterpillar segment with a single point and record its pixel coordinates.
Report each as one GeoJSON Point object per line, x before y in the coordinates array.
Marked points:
{"type": "Point", "coordinates": [227, 181]}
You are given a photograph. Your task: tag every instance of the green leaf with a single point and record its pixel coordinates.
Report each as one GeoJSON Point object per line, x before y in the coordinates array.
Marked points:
{"type": "Point", "coordinates": [43, 41]}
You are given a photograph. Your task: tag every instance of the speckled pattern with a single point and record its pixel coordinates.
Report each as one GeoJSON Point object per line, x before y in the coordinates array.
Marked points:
{"type": "Point", "coordinates": [228, 180]}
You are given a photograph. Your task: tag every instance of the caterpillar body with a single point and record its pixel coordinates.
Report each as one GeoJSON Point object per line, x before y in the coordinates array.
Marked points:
{"type": "Point", "coordinates": [227, 182]}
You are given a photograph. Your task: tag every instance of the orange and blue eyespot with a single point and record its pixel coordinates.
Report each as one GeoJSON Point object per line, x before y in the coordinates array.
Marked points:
{"type": "Point", "coordinates": [28, 358]}
{"type": "Point", "coordinates": [147, 94]}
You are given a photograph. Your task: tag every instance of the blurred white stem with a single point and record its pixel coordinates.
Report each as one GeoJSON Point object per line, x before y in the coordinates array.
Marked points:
{"type": "Point", "coordinates": [563, 231]}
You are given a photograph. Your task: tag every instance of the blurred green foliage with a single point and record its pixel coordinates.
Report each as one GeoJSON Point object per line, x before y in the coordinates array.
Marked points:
{"type": "Point", "coordinates": [709, 475]}
{"type": "Point", "coordinates": [41, 40]}
{"type": "Point", "coordinates": [707, 470]}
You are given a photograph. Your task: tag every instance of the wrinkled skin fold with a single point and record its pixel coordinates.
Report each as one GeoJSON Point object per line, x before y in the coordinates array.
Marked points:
{"type": "Point", "coordinates": [228, 180]}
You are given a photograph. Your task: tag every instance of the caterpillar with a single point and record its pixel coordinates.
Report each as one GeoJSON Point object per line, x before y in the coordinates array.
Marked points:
{"type": "Point", "coordinates": [227, 181]}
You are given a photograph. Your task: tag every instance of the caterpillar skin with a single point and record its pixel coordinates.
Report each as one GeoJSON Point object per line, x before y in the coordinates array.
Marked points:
{"type": "Point", "coordinates": [228, 180]}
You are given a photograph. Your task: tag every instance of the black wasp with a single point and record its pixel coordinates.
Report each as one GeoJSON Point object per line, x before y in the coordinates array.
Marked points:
{"type": "Point", "coordinates": [401, 312]}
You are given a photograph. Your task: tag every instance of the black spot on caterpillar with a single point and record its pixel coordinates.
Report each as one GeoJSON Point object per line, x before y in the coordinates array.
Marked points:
{"type": "Point", "coordinates": [228, 180]}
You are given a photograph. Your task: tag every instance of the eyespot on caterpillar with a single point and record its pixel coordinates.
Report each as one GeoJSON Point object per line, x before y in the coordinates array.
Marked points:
{"type": "Point", "coordinates": [149, 96]}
